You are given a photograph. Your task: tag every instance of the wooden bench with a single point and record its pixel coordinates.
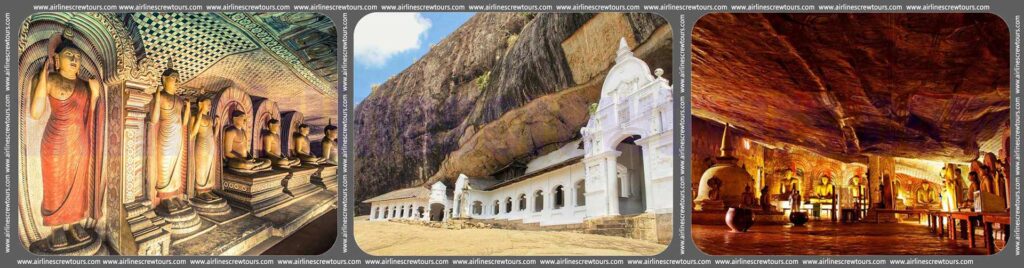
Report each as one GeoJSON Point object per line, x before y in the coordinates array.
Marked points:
{"type": "Point", "coordinates": [968, 223]}
{"type": "Point", "coordinates": [987, 220]}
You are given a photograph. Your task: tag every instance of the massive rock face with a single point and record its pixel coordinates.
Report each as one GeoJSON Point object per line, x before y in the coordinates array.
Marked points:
{"type": "Point", "coordinates": [496, 64]}
{"type": "Point", "coordinates": [929, 86]}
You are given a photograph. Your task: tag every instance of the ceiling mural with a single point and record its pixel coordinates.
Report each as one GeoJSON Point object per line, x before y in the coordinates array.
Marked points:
{"type": "Point", "coordinates": [282, 56]}
{"type": "Point", "coordinates": [311, 36]}
{"type": "Point", "coordinates": [194, 41]}
{"type": "Point", "coordinates": [298, 54]}
{"type": "Point", "coordinates": [265, 77]}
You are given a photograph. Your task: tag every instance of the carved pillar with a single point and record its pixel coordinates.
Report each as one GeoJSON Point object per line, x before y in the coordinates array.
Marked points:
{"type": "Point", "coordinates": [141, 231]}
{"type": "Point", "coordinates": [601, 172]}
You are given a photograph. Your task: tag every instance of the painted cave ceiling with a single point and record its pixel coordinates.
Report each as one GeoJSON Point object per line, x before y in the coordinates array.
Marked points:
{"type": "Point", "coordinates": [926, 86]}
{"type": "Point", "coordinates": [287, 57]}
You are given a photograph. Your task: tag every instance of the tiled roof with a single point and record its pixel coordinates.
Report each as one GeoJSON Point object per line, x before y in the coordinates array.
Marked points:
{"type": "Point", "coordinates": [413, 192]}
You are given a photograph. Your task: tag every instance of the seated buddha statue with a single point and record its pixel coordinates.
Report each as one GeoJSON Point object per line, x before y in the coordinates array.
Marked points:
{"type": "Point", "coordinates": [300, 140]}
{"type": "Point", "coordinates": [926, 194]}
{"type": "Point", "coordinates": [272, 146]}
{"type": "Point", "coordinates": [236, 148]}
{"type": "Point", "coordinates": [856, 189]}
{"type": "Point", "coordinates": [823, 190]}
{"type": "Point", "coordinates": [329, 144]}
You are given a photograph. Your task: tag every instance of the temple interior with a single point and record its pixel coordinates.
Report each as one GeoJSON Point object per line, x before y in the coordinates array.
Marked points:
{"type": "Point", "coordinates": [178, 133]}
{"type": "Point", "coordinates": [850, 134]}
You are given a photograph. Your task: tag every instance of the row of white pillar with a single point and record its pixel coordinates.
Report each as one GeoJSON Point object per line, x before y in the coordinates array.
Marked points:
{"type": "Point", "coordinates": [396, 211]}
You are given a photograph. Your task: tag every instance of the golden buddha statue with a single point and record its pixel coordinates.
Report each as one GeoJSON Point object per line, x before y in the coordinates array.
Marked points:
{"type": "Point", "coordinates": [823, 190]}
{"type": "Point", "coordinates": [66, 153]}
{"type": "Point", "coordinates": [236, 148]}
{"type": "Point", "coordinates": [856, 189]}
{"type": "Point", "coordinates": [272, 146]}
{"type": "Point", "coordinates": [300, 140]}
{"type": "Point", "coordinates": [201, 131]}
{"type": "Point", "coordinates": [925, 194]}
{"type": "Point", "coordinates": [170, 112]}
{"type": "Point", "coordinates": [329, 144]}
{"type": "Point", "coordinates": [791, 180]}
{"type": "Point", "coordinates": [953, 192]}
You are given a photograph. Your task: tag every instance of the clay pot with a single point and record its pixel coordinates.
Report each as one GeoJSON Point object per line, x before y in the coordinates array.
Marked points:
{"type": "Point", "coordinates": [798, 218]}
{"type": "Point", "coordinates": [739, 219]}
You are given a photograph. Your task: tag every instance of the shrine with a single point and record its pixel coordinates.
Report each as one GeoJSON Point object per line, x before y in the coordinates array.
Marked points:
{"type": "Point", "coordinates": [859, 134]}
{"type": "Point", "coordinates": [618, 172]}
{"type": "Point", "coordinates": [176, 133]}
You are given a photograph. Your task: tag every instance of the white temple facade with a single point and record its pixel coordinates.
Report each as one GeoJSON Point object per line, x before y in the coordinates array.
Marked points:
{"type": "Point", "coordinates": [621, 166]}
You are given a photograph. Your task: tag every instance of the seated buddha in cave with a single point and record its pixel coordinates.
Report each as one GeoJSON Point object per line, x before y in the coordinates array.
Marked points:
{"type": "Point", "coordinates": [823, 190]}
{"type": "Point", "coordinates": [272, 146]}
{"type": "Point", "coordinates": [856, 189]}
{"type": "Point", "coordinates": [301, 149]}
{"type": "Point", "coordinates": [329, 144]}
{"type": "Point", "coordinates": [790, 181]}
{"type": "Point", "coordinates": [925, 194]}
{"type": "Point", "coordinates": [236, 148]}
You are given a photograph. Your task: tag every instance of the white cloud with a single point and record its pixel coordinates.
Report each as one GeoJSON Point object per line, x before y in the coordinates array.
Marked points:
{"type": "Point", "coordinates": [380, 36]}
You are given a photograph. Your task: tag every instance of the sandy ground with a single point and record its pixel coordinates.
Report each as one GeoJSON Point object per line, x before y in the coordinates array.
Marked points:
{"type": "Point", "coordinates": [399, 239]}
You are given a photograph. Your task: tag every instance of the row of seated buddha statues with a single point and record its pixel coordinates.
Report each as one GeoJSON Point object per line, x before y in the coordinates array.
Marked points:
{"type": "Point", "coordinates": [267, 155]}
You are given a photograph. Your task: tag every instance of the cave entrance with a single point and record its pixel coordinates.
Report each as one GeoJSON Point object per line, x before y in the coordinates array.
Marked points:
{"type": "Point", "coordinates": [436, 212]}
{"type": "Point", "coordinates": [630, 177]}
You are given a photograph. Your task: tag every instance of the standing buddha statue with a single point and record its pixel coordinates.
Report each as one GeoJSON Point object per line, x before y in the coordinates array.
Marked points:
{"type": "Point", "coordinates": [170, 112]}
{"type": "Point", "coordinates": [201, 131]}
{"type": "Point", "coordinates": [68, 181]}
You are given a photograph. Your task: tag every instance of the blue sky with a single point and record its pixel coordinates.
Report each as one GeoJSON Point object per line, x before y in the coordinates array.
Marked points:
{"type": "Point", "coordinates": [387, 43]}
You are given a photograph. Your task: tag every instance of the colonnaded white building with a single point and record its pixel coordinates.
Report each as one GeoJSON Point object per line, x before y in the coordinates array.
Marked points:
{"type": "Point", "coordinates": [621, 167]}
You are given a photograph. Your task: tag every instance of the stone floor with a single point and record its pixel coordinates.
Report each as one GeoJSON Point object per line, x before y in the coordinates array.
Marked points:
{"type": "Point", "coordinates": [825, 238]}
{"type": "Point", "coordinates": [236, 235]}
{"type": "Point", "coordinates": [313, 239]}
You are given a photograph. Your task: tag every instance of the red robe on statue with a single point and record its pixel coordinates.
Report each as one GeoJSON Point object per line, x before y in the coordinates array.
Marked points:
{"type": "Point", "coordinates": [66, 153]}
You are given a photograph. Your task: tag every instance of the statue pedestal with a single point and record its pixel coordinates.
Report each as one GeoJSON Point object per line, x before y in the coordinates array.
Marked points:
{"type": "Point", "coordinates": [90, 247]}
{"type": "Point", "coordinates": [148, 234]}
{"type": "Point", "coordinates": [327, 178]}
{"type": "Point", "coordinates": [298, 182]}
{"type": "Point", "coordinates": [711, 205]}
{"type": "Point", "coordinates": [232, 237]}
{"type": "Point", "coordinates": [289, 217]}
{"type": "Point", "coordinates": [255, 192]}
{"type": "Point", "coordinates": [708, 217]}
{"type": "Point", "coordinates": [182, 220]}
{"type": "Point", "coordinates": [771, 217]}
{"type": "Point", "coordinates": [210, 205]}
